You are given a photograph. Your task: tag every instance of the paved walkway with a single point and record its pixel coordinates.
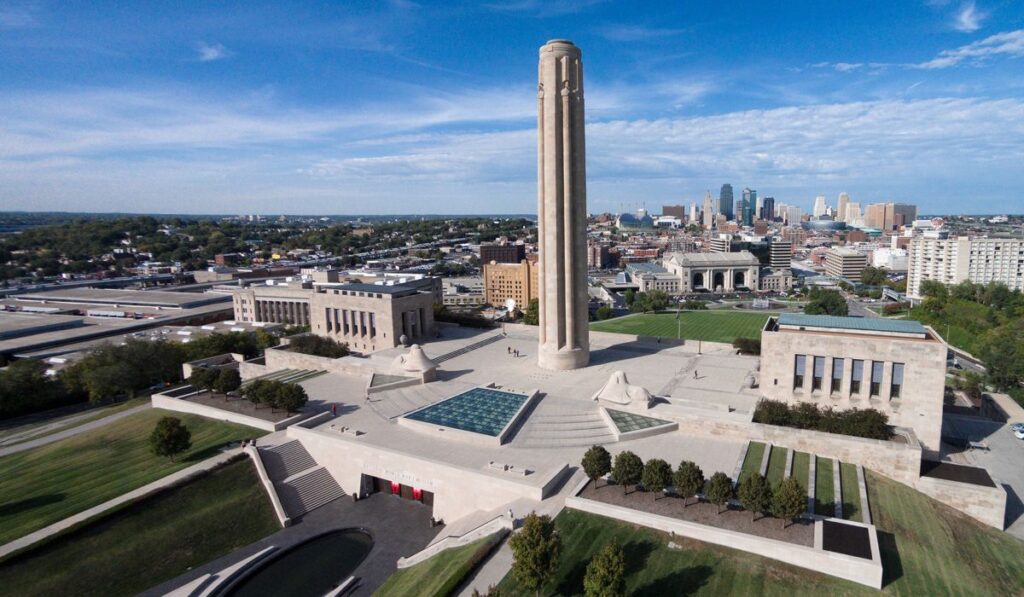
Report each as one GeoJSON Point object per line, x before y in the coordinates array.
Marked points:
{"type": "Point", "coordinates": [55, 437]}
{"type": "Point", "coordinates": [57, 527]}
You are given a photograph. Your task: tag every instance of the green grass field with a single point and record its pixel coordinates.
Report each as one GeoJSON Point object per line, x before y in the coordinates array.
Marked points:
{"type": "Point", "coordinates": [851, 492]}
{"type": "Point", "coordinates": [751, 462]}
{"type": "Point", "coordinates": [709, 326]}
{"type": "Point", "coordinates": [776, 466]}
{"type": "Point", "coordinates": [801, 467]}
{"type": "Point", "coordinates": [824, 488]}
{"type": "Point", "coordinates": [43, 485]}
{"type": "Point", "coordinates": [927, 549]}
{"type": "Point", "coordinates": [439, 575]}
{"type": "Point", "coordinates": [58, 424]}
{"type": "Point", "coordinates": [151, 541]}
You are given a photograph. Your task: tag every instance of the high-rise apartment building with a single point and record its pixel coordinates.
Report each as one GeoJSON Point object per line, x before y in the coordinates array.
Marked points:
{"type": "Point", "coordinates": [880, 215]}
{"type": "Point", "coordinates": [598, 256]}
{"type": "Point", "coordinates": [709, 211]}
{"type": "Point", "coordinates": [953, 260]}
{"type": "Point", "coordinates": [793, 215]}
{"type": "Point", "coordinates": [693, 214]}
{"type": "Point", "coordinates": [904, 214]}
{"type": "Point", "coordinates": [725, 202]}
{"type": "Point", "coordinates": [820, 207]}
{"type": "Point", "coordinates": [844, 200]}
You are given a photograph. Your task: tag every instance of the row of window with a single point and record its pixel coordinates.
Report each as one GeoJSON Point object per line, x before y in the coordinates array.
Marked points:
{"type": "Point", "coordinates": [875, 371]}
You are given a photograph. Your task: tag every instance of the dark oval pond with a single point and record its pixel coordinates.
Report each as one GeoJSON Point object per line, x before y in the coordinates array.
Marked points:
{"type": "Point", "coordinates": [312, 568]}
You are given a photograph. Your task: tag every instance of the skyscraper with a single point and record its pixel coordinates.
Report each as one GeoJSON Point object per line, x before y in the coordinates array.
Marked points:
{"type": "Point", "coordinates": [820, 207]}
{"type": "Point", "coordinates": [562, 208]}
{"type": "Point", "coordinates": [746, 214]}
{"type": "Point", "coordinates": [725, 201]}
{"type": "Point", "coordinates": [693, 214]}
{"type": "Point", "coordinates": [709, 211]}
{"type": "Point", "coordinates": [844, 199]}
{"type": "Point", "coordinates": [768, 209]}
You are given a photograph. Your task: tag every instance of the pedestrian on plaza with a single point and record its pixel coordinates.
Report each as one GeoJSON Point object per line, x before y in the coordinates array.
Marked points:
{"type": "Point", "coordinates": [695, 374]}
{"type": "Point", "coordinates": [509, 349]}
{"type": "Point", "coordinates": [334, 409]}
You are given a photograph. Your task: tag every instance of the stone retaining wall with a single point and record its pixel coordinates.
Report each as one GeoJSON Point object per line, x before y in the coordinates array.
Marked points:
{"type": "Point", "coordinates": [858, 570]}
{"type": "Point", "coordinates": [210, 412]}
{"type": "Point", "coordinates": [986, 504]}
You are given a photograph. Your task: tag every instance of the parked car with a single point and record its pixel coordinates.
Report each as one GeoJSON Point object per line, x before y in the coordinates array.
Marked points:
{"type": "Point", "coordinates": [1018, 430]}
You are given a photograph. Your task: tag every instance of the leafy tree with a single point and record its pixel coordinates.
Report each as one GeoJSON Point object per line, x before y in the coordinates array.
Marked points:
{"type": "Point", "coordinates": [535, 550]}
{"type": "Point", "coordinates": [755, 494]}
{"type": "Point", "coordinates": [719, 490]}
{"type": "Point", "coordinates": [1002, 351]}
{"type": "Point", "coordinates": [290, 397]}
{"type": "Point", "coordinates": [203, 377]}
{"type": "Point", "coordinates": [606, 573]}
{"type": "Point", "coordinates": [25, 387]}
{"type": "Point", "coordinates": [934, 289]}
{"type": "Point", "coordinates": [688, 480]}
{"type": "Point", "coordinates": [170, 437]}
{"type": "Point", "coordinates": [826, 302]}
{"type": "Point", "coordinates": [228, 380]}
{"type": "Point", "coordinates": [604, 312]}
{"type": "Point", "coordinates": [532, 315]}
{"type": "Point", "coordinates": [630, 297]}
{"type": "Point", "coordinates": [789, 500]}
{"type": "Point", "coordinates": [747, 345]}
{"type": "Point", "coordinates": [319, 346]}
{"type": "Point", "coordinates": [597, 462]}
{"type": "Point", "coordinates": [627, 470]}
{"type": "Point", "coordinates": [873, 276]}
{"type": "Point", "coordinates": [657, 475]}
{"type": "Point", "coordinates": [258, 392]}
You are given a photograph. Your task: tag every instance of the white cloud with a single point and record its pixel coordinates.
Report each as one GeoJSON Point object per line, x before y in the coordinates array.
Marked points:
{"type": "Point", "coordinates": [968, 18]}
{"type": "Point", "coordinates": [211, 52]}
{"type": "Point", "coordinates": [1008, 43]}
{"type": "Point", "coordinates": [544, 8]}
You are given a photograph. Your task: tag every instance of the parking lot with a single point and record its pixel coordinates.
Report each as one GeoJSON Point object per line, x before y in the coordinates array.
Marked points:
{"type": "Point", "coordinates": [1004, 460]}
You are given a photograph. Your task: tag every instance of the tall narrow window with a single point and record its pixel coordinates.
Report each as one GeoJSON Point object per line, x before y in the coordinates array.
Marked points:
{"type": "Point", "coordinates": [897, 380]}
{"type": "Point", "coordinates": [856, 376]}
{"type": "Point", "coordinates": [876, 377]}
{"type": "Point", "coordinates": [798, 376]}
{"type": "Point", "coordinates": [819, 373]}
{"type": "Point", "coordinates": [837, 375]}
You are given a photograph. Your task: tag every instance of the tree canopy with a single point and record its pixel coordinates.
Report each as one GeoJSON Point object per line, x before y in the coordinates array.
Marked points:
{"type": "Point", "coordinates": [170, 437]}
{"type": "Point", "coordinates": [535, 550]}
{"type": "Point", "coordinates": [606, 573]}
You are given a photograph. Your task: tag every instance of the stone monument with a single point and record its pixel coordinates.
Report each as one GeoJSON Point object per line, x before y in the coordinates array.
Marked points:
{"type": "Point", "coordinates": [562, 208]}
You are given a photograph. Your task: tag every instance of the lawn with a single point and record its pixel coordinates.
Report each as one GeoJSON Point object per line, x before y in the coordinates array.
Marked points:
{"type": "Point", "coordinates": [927, 549]}
{"type": "Point", "coordinates": [46, 484]}
{"type": "Point", "coordinates": [776, 465]}
{"type": "Point", "coordinates": [824, 488]}
{"type": "Point", "coordinates": [752, 461]}
{"type": "Point", "coordinates": [801, 468]}
{"type": "Point", "coordinates": [151, 541]}
{"type": "Point", "coordinates": [440, 575]}
{"type": "Point", "coordinates": [851, 492]}
{"type": "Point", "coordinates": [35, 430]}
{"type": "Point", "coordinates": [709, 326]}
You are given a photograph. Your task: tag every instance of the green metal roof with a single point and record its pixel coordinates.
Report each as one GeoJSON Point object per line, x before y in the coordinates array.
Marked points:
{"type": "Point", "coordinates": [901, 326]}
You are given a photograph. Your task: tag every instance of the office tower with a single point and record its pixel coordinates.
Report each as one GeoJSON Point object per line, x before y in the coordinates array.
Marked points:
{"type": "Point", "coordinates": [781, 253]}
{"type": "Point", "coordinates": [725, 204]}
{"type": "Point", "coordinates": [820, 207]}
{"type": "Point", "coordinates": [908, 211]}
{"type": "Point", "coordinates": [841, 262]}
{"type": "Point", "coordinates": [709, 211]}
{"type": "Point", "coordinates": [502, 252]}
{"type": "Point", "coordinates": [746, 214]}
{"type": "Point", "coordinates": [757, 208]}
{"type": "Point", "coordinates": [693, 214]}
{"type": "Point", "coordinates": [844, 199]}
{"type": "Point", "coordinates": [768, 209]}
{"type": "Point", "coordinates": [793, 215]}
{"type": "Point", "coordinates": [853, 215]}
{"type": "Point", "coordinates": [880, 215]}
{"type": "Point", "coordinates": [562, 208]}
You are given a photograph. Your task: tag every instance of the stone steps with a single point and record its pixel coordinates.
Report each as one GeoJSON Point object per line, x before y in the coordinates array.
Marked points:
{"type": "Point", "coordinates": [286, 460]}
{"type": "Point", "coordinates": [308, 491]}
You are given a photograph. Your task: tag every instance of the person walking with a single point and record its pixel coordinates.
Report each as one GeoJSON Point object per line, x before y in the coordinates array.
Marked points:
{"type": "Point", "coordinates": [695, 374]}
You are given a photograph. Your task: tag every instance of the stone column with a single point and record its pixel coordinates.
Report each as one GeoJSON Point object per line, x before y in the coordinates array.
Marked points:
{"type": "Point", "coordinates": [562, 208]}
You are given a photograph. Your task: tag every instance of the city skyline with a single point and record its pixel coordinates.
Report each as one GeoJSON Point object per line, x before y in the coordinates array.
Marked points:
{"type": "Point", "coordinates": [404, 108]}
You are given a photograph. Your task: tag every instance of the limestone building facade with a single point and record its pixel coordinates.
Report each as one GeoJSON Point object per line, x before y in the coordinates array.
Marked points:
{"type": "Point", "coordinates": [897, 367]}
{"type": "Point", "coordinates": [714, 272]}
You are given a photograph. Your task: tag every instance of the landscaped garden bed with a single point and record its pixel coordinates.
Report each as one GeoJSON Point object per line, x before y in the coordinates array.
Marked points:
{"type": "Point", "coordinates": [240, 405]}
{"type": "Point", "coordinates": [731, 518]}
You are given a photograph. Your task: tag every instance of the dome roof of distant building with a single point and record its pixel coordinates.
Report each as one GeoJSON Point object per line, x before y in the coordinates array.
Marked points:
{"type": "Point", "coordinates": [631, 221]}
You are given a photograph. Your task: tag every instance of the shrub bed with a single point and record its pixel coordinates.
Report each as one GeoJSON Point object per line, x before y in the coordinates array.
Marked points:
{"type": "Point", "coordinates": [869, 423]}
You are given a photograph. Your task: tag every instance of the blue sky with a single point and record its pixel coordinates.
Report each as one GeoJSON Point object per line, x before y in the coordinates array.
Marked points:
{"type": "Point", "coordinates": [429, 107]}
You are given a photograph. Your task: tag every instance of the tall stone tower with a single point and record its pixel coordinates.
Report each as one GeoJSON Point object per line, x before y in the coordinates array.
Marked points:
{"type": "Point", "coordinates": [562, 208]}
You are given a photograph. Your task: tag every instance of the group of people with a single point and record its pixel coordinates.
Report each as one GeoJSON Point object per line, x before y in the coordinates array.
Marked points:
{"type": "Point", "coordinates": [513, 351]}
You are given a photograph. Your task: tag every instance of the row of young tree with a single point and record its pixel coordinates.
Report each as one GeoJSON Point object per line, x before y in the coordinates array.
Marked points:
{"type": "Point", "coordinates": [222, 380]}
{"type": "Point", "coordinates": [755, 494]}
{"type": "Point", "coordinates": [288, 397]}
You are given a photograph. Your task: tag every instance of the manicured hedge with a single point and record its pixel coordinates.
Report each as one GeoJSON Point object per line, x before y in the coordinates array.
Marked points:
{"type": "Point", "coordinates": [870, 423]}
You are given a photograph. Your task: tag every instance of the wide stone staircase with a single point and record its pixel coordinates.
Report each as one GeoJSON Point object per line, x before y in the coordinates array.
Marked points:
{"type": "Point", "coordinates": [301, 484]}
{"type": "Point", "coordinates": [562, 425]}
{"type": "Point", "coordinates": [468, 348]}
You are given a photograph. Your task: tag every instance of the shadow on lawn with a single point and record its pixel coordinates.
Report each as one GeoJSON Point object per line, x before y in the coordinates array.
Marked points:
{"type": "Point", "coordinates": [891, 562]}
{"type": "Point", "coordinates": [635, 552]}
{"type": "Point", "coordinates": [681, 582]}
{"type": "Point", "coordinates": [12, 508]}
